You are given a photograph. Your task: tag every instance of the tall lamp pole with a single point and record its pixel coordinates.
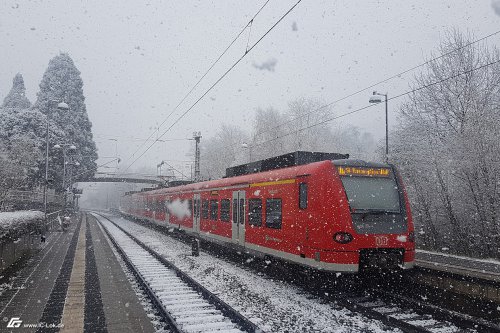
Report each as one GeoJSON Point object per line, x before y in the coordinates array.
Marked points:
{"type": "Point", "coordinates": [63, 107]}
{"type": "Point", "coordinates": [65, 147]}
{"type": "Point", "coordinates": [375, 98]}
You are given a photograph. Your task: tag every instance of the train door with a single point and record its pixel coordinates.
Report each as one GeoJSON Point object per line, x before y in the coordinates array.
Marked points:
{"type": "Point", "coordinates": [196, 212]}
{"type": "Point", "coordinates": [238, 221]}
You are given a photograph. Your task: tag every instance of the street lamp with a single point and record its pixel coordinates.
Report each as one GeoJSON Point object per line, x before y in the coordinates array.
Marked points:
{"type": "Point", "coordinates": [65, 147]}
{"type": "Point", "coordinates": [63, 107]}
{"type": "Point", "coordinates": [376, 98]}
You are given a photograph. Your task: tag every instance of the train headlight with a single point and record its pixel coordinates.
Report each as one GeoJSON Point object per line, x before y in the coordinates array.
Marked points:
{"type": "Point", "coordinates": [342, 237]}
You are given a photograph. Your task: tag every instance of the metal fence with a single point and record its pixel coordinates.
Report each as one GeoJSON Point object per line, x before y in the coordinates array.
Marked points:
{"type": "Point", "coordinates": [33, 196]}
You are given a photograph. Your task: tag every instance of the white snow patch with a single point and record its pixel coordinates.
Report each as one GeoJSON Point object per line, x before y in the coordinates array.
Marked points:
{"type": "Point", "coordinates": [12, 221]}
{"type": "Point", "coordinates": [179, 208]}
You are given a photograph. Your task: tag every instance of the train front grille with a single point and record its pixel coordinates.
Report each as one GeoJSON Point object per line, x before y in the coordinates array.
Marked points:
{"type": "Point", "coordinates": [381, 258]}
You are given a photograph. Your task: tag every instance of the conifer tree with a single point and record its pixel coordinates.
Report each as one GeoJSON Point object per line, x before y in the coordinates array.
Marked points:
{"type": "Point", "coordinates": [61, 82]}
{"type": "Point", "coordinates": [16, 99]}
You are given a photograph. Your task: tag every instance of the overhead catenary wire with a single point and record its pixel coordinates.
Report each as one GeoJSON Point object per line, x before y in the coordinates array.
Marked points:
{"type": "Point", "coordinates": [249, 24]}
{"type": "Point", "coordinates": [182, 174]}
{"type": "Point", "coordinates": [376, 84]}
{"type": "Point", "coordinates": [372, 105]}
{"type": "Point", "coordinates": [99, 166]}
{"type": "Point", "coordinates": [216, 82]}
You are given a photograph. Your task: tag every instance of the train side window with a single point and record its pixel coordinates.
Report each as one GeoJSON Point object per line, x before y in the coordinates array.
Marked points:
{"type": "Point", "coordinates": [273, 213]}
{"type": "Point", "coordinates": [190, 207]}
{"type": "Point", "coordinates": [225, 206]}
{"type": "Point", "coordinates": [214, 209]}
{"type": "Point", "coordinates": [204, 209]}
{"type": "Point", "coordinates": [303, 195]}
{"type": "Point", "coordinates": [255, 212]}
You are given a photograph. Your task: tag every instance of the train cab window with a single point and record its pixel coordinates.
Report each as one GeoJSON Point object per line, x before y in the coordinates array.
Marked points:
{"type": "Point", "coordinates": [225, 205]}
{"type": "Point", "coordinates": [303, 195]}
{"type": "Point", "coordinates": [255, 212]}
{"type": "Point", "coordinates": [273, 213]}
{"type": "Point", "coordinates": [204, 209]}
{"type": "Point", "coordinates": [214, 209]}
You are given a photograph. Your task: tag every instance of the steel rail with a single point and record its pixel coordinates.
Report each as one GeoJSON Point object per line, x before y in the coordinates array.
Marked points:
{"type": "Point", "coordinates": [242, 322]}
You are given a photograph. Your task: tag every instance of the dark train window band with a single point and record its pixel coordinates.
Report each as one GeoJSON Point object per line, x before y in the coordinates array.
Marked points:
{"type": "Point", "coordinates": [303, 195]}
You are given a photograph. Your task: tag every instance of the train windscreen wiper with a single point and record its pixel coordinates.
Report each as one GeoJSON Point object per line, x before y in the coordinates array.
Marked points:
{"type": "Point", "coordinates": [374, 211]}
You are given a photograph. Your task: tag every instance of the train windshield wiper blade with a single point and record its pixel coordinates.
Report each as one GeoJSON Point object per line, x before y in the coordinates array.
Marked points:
{"type": "Point", "coordinates": [375, 211]}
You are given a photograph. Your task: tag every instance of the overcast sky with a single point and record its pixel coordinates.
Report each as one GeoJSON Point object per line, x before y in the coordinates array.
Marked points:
{"type": "Point", "coordinates": [139, 58]}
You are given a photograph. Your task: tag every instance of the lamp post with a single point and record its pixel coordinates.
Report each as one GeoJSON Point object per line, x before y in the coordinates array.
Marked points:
{"type": "Point", "coordinates": [65, 147]}
{"type": "Point", "coordinates": [71, 183]}
{"type": "Point", "coordinates": [63, 107]}
{"type": "Point", "coordinates": [376, 98]}
{"type": "Point", "coordinates": [116, 152]}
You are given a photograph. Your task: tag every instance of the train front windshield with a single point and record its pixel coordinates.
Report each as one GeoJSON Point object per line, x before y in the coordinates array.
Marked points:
{"type": "Point", "coordinates": [372, 194]}
{"type": "Point", "coordinates": [370, 189]}
{"type": "Point", "coordinates": [374, 200]}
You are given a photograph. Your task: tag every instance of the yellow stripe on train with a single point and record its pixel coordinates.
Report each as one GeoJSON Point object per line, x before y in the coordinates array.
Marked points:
{"type": "Point", "coordinates": [276, 182]}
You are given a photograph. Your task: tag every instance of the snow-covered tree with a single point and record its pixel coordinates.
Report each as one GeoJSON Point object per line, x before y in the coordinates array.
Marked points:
{"type": "Point", "coordinates": [221, 151]}
{"type": "Point", "coordinates": [62, 82]}
{"type": "Point", "coordinates": [16, 99]}
{"type": "Point", "coordinates": [448, 147]}
{"type": "Point", "coordinates": [17, 163]}
{"type": "Point", "coordinates": [306, 123]}
{"type": "Point", "coordinates": [268, 139]}
{"type": "Point", "coordinates": [275, 133]}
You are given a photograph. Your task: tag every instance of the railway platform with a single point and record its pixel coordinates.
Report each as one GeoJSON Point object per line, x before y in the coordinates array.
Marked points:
{"type": "Point", "coordinates": [75, 283]}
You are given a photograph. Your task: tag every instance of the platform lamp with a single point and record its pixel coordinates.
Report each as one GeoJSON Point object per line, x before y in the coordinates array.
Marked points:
{"type": "Point", "coordinates": [65, 147]}
{"type": "Point", "coordinates": [63, 107]}
{"type": "Point", "coordinates": [376, 98]}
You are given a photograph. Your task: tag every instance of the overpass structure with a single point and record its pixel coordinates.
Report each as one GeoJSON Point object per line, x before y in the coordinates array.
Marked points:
{"type": "Point", "coordinates": [125, 180]}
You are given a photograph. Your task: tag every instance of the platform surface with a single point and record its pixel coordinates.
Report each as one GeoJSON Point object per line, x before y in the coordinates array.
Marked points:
{"type": "Point", "coordinates": [96, 297]}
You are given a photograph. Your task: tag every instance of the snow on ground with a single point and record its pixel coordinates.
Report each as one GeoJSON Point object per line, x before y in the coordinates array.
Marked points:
{"type": "Point", "coordinates": [11, 222]}
{"type": "Point", "coordinates": [275, 306]}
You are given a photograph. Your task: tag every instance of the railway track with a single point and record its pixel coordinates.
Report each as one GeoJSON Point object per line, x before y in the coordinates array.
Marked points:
{"type": "Point", "coordinates": [404, 312]}
{"type": "Point", "coordinates": [184, 304]}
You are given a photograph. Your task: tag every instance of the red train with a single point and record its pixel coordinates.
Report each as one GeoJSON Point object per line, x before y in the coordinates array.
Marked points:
{"type": "Point", "coordinates": [336, 214]}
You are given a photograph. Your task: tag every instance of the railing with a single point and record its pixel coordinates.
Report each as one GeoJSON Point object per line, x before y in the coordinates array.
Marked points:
{"type": "Point", "coordinates": [33, 196]}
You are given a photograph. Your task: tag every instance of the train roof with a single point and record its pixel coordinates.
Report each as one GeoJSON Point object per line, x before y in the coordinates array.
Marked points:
{"type": "Point", "coordinates": [282, 161]}
{"type": "Point", "coordinates": [360, 163]}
